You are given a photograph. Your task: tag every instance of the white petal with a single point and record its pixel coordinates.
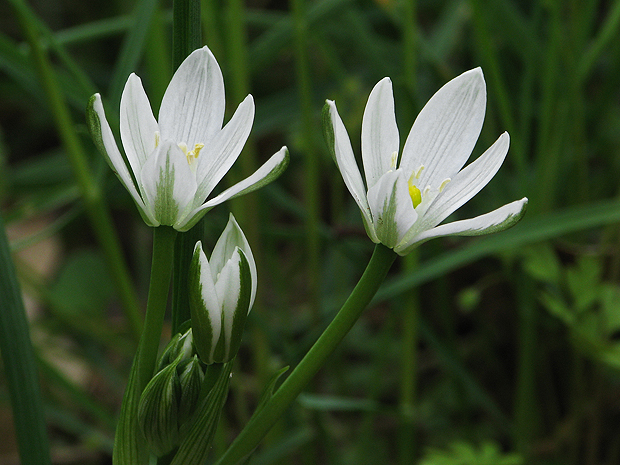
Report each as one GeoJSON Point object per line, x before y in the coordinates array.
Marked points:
{"type": "Point", "coordinates": [192, 110]}
{"type": "Point", "coordinates": [445, 132]}
{"type": "Point", "coordinates": [392, 209]}
{"type": "Point", "coordinates": [138, 125]}
{"type": "Point", "coordinates": [269, 171]}
{"type": "Point", "coordinates": [222, 151]}
{"type": "Point", "coordinates": [210, 297]}
{"type": "Point", "coordinates": [495, 221]}
{"type": "Point", "coordinates": [340, 146]}
{"type": "Point", "coordinates": [114, 157]}
{"type": "Point", "coordinates": [168, 183]}
{"type": "Point", "coordinates": [228, 287]}
{"type": "Point", "coordinates": [467, 183]}
{"type": "Point", "coordinates": [231, 239]}
{"type": "Point", "coordinates": [380, 138]}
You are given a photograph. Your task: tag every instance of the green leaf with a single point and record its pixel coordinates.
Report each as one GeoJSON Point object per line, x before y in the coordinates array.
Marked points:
{"type": "Point", "coordinates": [19, 365]}
{"type": "Point", "coordinates": [542, 263]}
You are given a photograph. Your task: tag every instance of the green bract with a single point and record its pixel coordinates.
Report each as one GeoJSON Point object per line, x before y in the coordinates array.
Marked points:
{"type": "Point", "coordinates": [221, 294]}
{"type": "Point", "coordinates": [174, 163]}
{"type": "Point", "coordinates": [404, 201]}
{"type": "Point", "coordinates": [169, 401]}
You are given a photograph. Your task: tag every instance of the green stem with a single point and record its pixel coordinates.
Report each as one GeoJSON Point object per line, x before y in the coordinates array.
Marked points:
{"type": "Point", "coordinates": [128, 444]}
{"type": "Point", "coordinates": [19, 365]}
{"type": "Point", "coordinates": [96, 208]}
{"type": "Point", "coordinates": [161, 271]}
{"type": "Point", "coordinates": [262, 421]}
{"type": "Point", "coordinates": [186, 33]}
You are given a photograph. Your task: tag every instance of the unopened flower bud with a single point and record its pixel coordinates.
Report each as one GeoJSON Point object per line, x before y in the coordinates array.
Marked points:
{"type": "Point", "coordinates": [221, 294]}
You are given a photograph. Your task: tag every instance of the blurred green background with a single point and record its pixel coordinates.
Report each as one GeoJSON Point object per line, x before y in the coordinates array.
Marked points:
{"type": "Point", "coordinates": [491, 350]}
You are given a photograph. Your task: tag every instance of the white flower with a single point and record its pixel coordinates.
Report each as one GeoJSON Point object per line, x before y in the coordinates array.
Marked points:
{"type": "Point", "coordinates": [221, 294]}
{"type": "Point", "coordinates": [173, 164]}
{"type": "Point", "coordinates": [403, 202]}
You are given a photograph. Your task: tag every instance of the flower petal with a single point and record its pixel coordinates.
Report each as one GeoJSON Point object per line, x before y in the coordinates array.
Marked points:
{"type": "Point", "coordinates": [340, 147]}
{"type": "Point", "coordinates": [168, 183]}
{"type": "Point", "coordinates": [445, 132]}
{"type": "Point", "coordinates": [104, 139]}
{"type": "Point", "coordinates": [138, 125]}
{"type": "Point", "coordinates": [229, 287]}
{"type": "Point", "coordinates": [391, 206]}
{"type": "Point", "coordinates": [380, 140]}
{"type": "Point", "coordinates": [467, 183]}
{"type": "Point", "coordinates": [222, 151]}
{"type": "Point", "coordinates": [192, 110]}
{"type": "Point", "coordinates": [495, 221]}
{"type": "Point", "coordinates": [205, 305]}
{"type": "Point", "coordinates": [269, 171]}
{"type": "Point", "coordinates": [231, 239]}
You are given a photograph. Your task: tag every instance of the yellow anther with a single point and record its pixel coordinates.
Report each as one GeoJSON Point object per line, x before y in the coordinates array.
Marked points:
{"type": "Point", "coordinates": [156, 138]}
{"type": "Point", "coordinates": [443, 184]}
{"type": "Point", "coordinates": [415, 194]}
{"type": "Point", "coordinates": [191, 155]}
{"type": "Point", "coordinates": [197, 149]}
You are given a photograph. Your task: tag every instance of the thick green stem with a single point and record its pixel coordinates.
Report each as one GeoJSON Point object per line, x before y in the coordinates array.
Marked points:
{"type": "Point", "coordinates": [20, 366]}
{"type": "Point", "coordinates": [128, 443]}
{"type": "Point", "coordinates": [96, 208]}
{"type": "Point", "coordinates": [262, 421]}
{"type": "Point", "coordinates": [161, 271]}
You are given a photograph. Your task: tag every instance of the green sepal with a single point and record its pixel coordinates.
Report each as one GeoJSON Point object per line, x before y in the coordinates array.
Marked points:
{"type": "Point", "coordinates": [158, 411]}
{"type": "Point", "coordinates": [94, 127]}
{"type": "Point", "coordinates": [233, 340]}
{"type": "Point", "coordinates": [129, 443]}
{"type": "Point", "coordinates": [191, 377]}
{"type": "Point", "coordinates": [201, 324]}
{"type": "Point", "coordinates": [196, 443]}
{"type": "Point", "coordinates": [328, 131]}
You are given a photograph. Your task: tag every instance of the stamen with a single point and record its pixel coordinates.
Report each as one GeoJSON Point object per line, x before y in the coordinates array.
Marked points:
{"type": "Point", "coordinates": [156, 138]}
{"type": "Point", "coordinates": [444, 183]}
{"type": "Point", "coordinates": [415, 194]}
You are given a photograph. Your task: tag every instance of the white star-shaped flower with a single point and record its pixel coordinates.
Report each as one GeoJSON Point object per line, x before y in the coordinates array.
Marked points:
{"type": "Point", "coordinates": [174, 163]}
{"type": "Point", "coordinates": [403, 202]}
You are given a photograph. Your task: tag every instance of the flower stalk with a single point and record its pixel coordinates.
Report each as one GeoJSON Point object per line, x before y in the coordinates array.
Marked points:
{"type": "Point", "coordinates": [129, 446]}
{"type": "Point", "coordinates": [262, 420]}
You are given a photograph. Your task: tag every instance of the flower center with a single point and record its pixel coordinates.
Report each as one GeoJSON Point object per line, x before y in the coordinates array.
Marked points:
{"type": "Point", "coordinates": [414, 191]}
{"type": "Point", "coordinates": [191, 155]}
{"type": "Point", "coordinates": [426, 196]}
{"type": "Point", "coordinates": [415, 194]}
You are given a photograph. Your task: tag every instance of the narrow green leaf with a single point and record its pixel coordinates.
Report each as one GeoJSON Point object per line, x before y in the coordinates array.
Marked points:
{"type": "Point", "coordinates": [19, 365]}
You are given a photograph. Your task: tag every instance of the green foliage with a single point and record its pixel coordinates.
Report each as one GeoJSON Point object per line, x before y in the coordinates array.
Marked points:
{"type": "Point", "coordinates": [462, 453]}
